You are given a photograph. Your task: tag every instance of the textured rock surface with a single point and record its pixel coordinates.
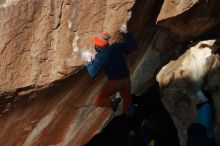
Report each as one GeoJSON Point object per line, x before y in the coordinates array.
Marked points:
{"type": "Point", "coordinates": [55, 41]}
{"type": "Point", "coordinates": [60, 115]}
{"type": "Point", "coordinates": [40, 45]}
{"type": "Point", "coordinates": [184, 74]}
{"type": "Point", "coordinates": [192, 64]}
{"type": "Point", "coordinates": [41, 40]}
{"type": "Point", "coordinates": [188, 19]}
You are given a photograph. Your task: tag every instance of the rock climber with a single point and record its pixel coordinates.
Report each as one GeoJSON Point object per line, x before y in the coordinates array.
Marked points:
{"type": "Point", "coordinates": [111, 59]}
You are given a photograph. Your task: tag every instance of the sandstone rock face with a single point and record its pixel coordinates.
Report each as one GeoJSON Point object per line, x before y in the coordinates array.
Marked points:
{"type": "Point", "coordinates": [40, 44]}
{"type": "Point", "coordinates": [60, 115]}
{"type": "Point", "coordinates": [188, 74]}
{"type": "Point", "coordinates": [192, 64]}
{"type": "Point", "coordinates": [45, 94]}
{"type": "Point", "coordinates": [175, 8]}
{"type": "Point", "coordinates": [189, 19]}
{"type": "Point", "coordinates": [41, 40]}
{"type": "Point", "coordinates": [63, 114]}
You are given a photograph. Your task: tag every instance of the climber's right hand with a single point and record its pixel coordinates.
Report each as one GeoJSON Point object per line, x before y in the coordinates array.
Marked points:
{"type": "Point", "coordinates": [87, 55]}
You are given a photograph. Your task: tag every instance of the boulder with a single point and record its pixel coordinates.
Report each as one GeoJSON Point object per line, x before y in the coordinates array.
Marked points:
{"type": "Point", "coordinates": [180, 80]}
{"type": "Point", "coordinates": [190, 19]}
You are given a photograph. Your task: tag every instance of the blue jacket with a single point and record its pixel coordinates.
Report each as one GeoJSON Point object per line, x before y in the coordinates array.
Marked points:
{"type": "Point", "coordinates": [111, 58]}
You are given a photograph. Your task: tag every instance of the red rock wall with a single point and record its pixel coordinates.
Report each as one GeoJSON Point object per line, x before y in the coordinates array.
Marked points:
{"type": "Point", "coordinates": [41, 40]}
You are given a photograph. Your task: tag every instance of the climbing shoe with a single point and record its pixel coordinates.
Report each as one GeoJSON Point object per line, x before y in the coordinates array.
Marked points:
{"type": "Point", "coordinates": [115, 104]}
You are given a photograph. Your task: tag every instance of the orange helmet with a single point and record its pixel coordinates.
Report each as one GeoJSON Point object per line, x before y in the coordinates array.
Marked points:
{"type": "Point", "coordinates": [102, 40]}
